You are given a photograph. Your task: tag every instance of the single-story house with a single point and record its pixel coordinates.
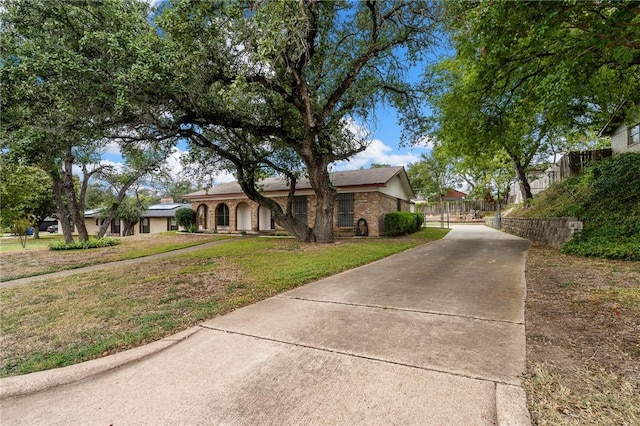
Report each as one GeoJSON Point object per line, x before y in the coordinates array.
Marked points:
{"type": "Point", "coordinates": [363, 195]}
{"type": "Point", "coordinates": [157, 218]}
{"type": "Point", "coordinates": [453, 195]}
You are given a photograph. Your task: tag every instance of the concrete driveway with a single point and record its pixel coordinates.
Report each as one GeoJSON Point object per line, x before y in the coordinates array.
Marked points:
{"type": "Point", "coordinates": [431, 336]}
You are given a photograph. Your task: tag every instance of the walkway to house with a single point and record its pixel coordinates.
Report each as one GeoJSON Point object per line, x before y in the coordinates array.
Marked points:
{"type": "Point", "coordinates": [119, 263]}
{"type": "Point", "coordinates": [434, 335]}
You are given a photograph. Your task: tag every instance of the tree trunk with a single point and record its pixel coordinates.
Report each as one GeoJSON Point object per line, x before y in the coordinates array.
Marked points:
{"type": "Point", "coordinates": [325, 201]}
{"type": "Point", "coordinates": [128, 228]}
{"type": "Point", "coordinates": [523, 181]}
{"type": "Point", "coordinates": [63, 218]}
{"type": "Point", "coordinates": [75, 208]}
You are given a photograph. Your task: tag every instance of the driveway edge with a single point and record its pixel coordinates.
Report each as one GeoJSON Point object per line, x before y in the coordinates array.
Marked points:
{"type": "Point", "coordinates": [511, 406]}
{"type": "Point", "coordinates": [43, 380]}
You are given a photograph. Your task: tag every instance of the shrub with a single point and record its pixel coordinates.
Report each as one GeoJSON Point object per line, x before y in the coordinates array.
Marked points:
{"type": "Point", "coordinates": [186, 218]}
{"type": "Point", "coordinates": [398, 223]}
{"type": "Point", "coordinates": [93, 242]}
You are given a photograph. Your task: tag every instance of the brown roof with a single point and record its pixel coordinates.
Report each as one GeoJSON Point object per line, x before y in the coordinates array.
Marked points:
{"type": "Point", "coordinates": [375, 177]}
{"type": "Point", "coordinates": [452, 194]}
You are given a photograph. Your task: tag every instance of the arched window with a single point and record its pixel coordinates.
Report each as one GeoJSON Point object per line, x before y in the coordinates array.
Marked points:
{"type": "Point", "coordinates": [222, 215]}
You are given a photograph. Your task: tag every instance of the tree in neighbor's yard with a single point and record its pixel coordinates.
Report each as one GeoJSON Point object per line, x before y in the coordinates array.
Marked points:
{"type": "Point", "coordinates": [25, 192]}
{"type": "Point", "coordinates": [66, 72]}
{"type": "Point", "coordinates": [526, 73]}
{"type": "Point", "coordinates": [268, 87]}
{"type": "Point", "coordinates": [432, 176]}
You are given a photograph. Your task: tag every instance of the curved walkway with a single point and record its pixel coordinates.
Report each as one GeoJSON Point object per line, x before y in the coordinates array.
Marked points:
{"type": "Point", "coordinates": [433, 335]}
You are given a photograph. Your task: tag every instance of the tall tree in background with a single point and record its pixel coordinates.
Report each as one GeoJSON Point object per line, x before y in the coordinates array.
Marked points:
{"type": "Point", "coordinates": [66, 70]}
{"type": "Point", "coordinates": [268, 86]}
{"type": "Point", "coordinates": [432, 176]}
{"type": "Point", "coordinates": [526, 72]}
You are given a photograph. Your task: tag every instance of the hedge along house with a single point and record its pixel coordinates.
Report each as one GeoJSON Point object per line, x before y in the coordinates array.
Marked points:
{"type": "Point", "coordinates": [157, 218]}
{"type": "Point", "coordinates": [364, 196]}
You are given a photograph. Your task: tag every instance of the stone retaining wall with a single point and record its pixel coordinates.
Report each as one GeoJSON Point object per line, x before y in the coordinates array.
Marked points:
{"type": "Point", "coordinates": [553, 231]}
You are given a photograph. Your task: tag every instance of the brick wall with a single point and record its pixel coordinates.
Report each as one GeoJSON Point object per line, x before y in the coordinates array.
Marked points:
{"type": "Point", "coordinates": [553, 231]}
{"type": "Point", "coordinates": [370, 206]}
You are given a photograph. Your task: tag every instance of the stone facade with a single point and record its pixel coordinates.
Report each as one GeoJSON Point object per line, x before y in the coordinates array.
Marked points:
{"type": "Point", "coordinates": [553, 231]}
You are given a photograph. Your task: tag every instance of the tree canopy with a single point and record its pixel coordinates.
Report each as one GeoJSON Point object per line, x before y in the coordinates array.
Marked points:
{"type": "Point", "coordinates": [530, 77]}
{"type": "Point", "coordinates": [268, 86]}
{"type": "Point", "coordinates": [66, 72]}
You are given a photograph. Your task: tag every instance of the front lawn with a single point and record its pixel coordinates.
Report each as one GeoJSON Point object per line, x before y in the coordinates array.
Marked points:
{"type": "Point", "coordinates": [11, 243]}
{"type": "Point", "coordinates": [39, 260]}
{"type": "Point", "coordinates": [69, 320]}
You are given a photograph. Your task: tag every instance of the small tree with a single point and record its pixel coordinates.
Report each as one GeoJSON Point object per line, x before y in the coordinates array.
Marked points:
{"type": "Point", "coordinates": [186, 218]}
{"type": "Point", "coordinates": [21, 229]}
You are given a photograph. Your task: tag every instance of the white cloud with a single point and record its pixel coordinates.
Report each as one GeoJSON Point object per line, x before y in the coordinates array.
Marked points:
{"type": "Point", "coordinates": [174, 163]}
{"type": "Point", "coordinates": [112, 148]}
{"type": "Point", "coordinates": [425, 141]}
{"type": "Point", "coordinates": [377, 152]}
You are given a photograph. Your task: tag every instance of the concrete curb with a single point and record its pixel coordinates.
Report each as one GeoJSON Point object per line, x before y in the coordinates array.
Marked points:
{"type": "Point", "coordinates": [511, 406]}
{"type": "Point", "coordinates": [43, 380]}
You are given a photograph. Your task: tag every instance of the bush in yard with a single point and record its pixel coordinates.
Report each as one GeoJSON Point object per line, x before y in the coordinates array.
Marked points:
{"type": "Point", "coordinates": [93, 242]}
{"type": "Point", "coordinates": [186, 218]}
{"type": "Point", "coordinates": [398, 223]}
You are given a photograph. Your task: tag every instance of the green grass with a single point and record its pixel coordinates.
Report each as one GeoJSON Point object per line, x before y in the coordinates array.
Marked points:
{"type": "Point", "coordinates": [8, 244]}
{"type": "Point", "coordinates": [61, 322]}
{"type": "Point", "coordinates": [21, 264]}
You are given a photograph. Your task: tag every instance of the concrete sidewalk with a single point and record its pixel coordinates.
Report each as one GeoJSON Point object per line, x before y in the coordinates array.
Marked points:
{"type": "Point", "coordinates": [434, 335]}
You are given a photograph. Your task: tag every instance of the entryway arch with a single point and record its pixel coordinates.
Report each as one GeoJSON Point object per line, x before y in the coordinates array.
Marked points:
{"type": "Point", "coordinates": [202, 213]}
{"type": "Point", "coordinates": [243, 217]}
{"type": "Point", "coordinates": [265, 221]}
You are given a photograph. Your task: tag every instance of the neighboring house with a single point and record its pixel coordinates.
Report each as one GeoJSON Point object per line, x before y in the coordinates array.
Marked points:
{"type": "Point", "coordinates": [453, 195]}
{"type": "Point", "coordinates": [158, 218]}
{"type": "Point", "coordinates": [623, 138]}
{"type": "Point", "coordinates": [362, 195]}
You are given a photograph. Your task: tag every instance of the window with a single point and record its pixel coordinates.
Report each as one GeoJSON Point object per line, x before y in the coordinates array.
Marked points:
{"type": "Point", "coordinates": [222, 215]}
{"type": "Point", "coordinates": [115, 226]}
{"type": "Point", "coordinates": [171, 224]}
{"type": "Point", "coordinates": [634, 134]}
{"type": "Point", "coordinates": [398, 204]}
{"type": "Point", "coordinates": [144, 225]}
{"type": "Point", "coordinates": [345, 210]}
{"type": "Point", "coordinates": [300, 208]}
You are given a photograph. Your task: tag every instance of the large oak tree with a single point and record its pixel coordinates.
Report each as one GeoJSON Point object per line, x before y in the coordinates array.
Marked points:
{"type": "Point", "coordinates": [269, 86]}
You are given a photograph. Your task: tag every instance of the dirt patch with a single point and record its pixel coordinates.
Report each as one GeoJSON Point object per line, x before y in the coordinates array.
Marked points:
{"type": "Point", "coordinates": [583, 339]}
